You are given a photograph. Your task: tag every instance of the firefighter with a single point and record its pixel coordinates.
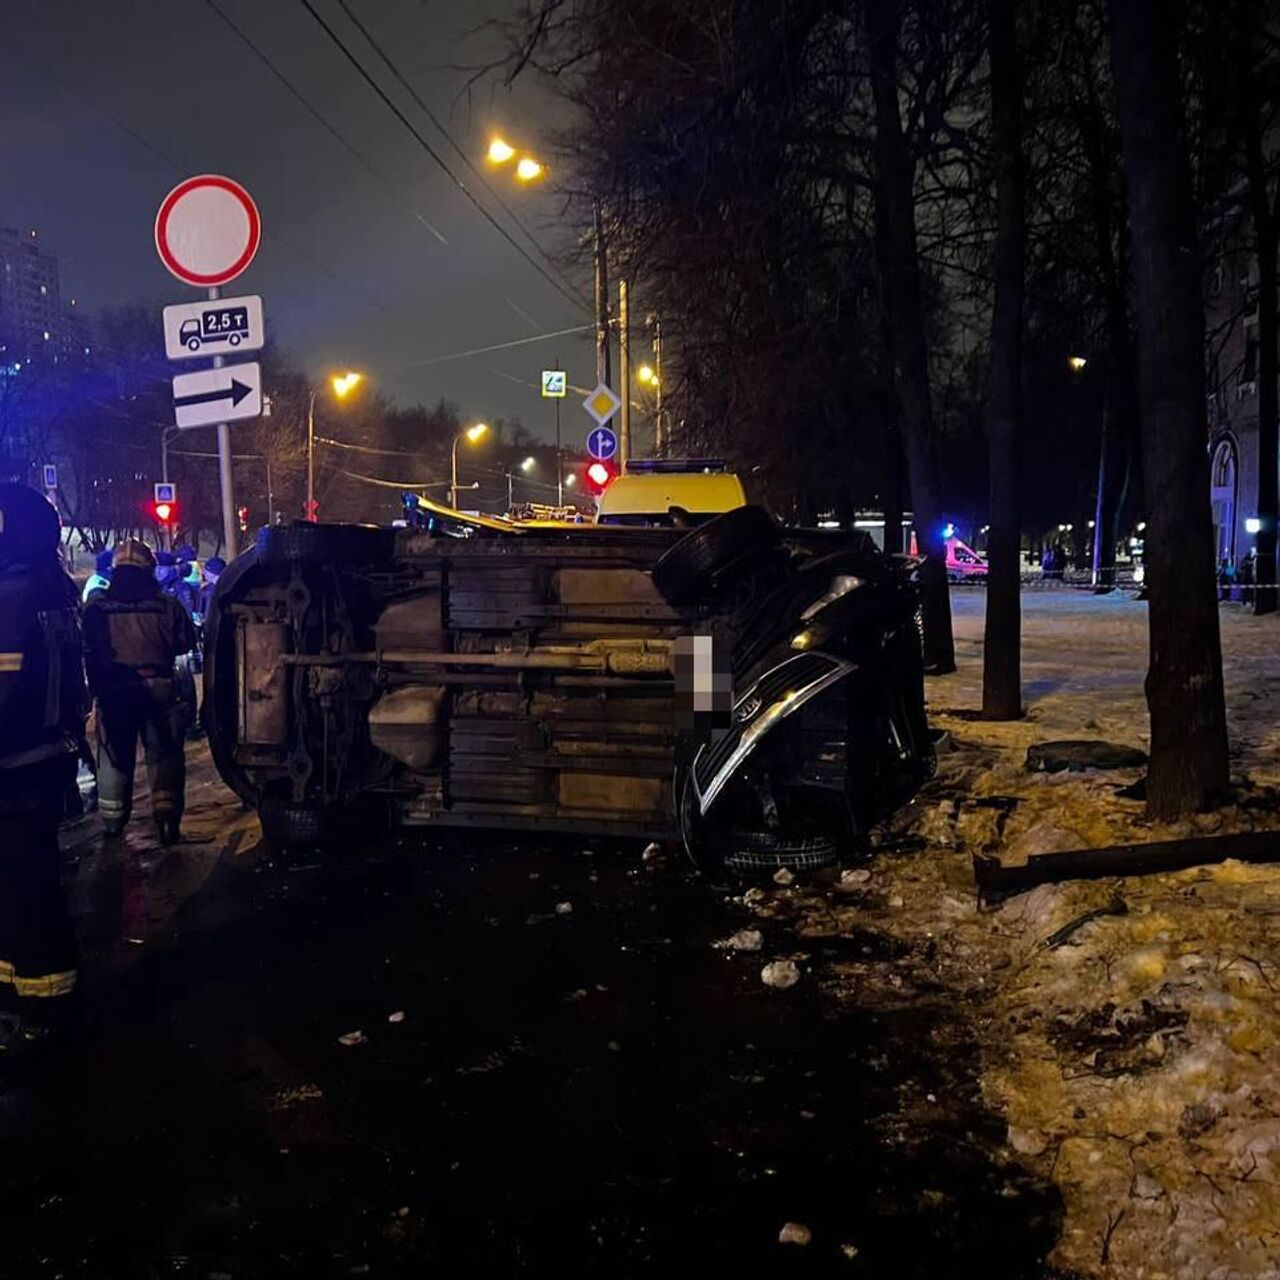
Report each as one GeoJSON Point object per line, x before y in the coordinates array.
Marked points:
{"type": "Point", "coordinates": [133, 634]}
{"type": "Point", "coordinates": [42, 709]}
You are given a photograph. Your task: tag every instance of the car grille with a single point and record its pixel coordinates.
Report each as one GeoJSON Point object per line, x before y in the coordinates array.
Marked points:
{"type": "Point", "coordinates": [793, 675]}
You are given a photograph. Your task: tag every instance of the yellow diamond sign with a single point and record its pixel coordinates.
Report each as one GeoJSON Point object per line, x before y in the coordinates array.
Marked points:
{"type": "Point", "coordinates": [602, 404]}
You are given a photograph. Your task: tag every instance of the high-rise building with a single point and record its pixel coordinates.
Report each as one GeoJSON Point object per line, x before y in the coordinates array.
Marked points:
{"type": "Point", "coordinates": [35, 324]}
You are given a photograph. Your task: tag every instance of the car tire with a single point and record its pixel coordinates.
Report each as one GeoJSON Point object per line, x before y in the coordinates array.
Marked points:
{"type": "Point", "coordinates": [337, 544]}
{"type": "Point", "coordinates": [685, 571]}
{"type": "Point", "coordinates": [772, 850]}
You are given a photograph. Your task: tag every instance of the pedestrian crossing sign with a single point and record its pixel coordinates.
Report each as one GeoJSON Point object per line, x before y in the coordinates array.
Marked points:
{"type": "Point", "coordinates": [555, 384]}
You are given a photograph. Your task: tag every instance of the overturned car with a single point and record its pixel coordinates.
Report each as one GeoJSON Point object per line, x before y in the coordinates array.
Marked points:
{"type": "Point", "coordinates": [755, 692]}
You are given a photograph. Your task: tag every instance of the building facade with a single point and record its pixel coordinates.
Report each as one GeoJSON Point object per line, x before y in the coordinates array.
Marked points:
{"type": "Point", "coordinates": [36, 325]}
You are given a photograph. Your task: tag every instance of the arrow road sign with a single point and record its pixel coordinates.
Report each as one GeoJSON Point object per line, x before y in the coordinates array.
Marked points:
{"type": "Point", "coordinates": [602, 444]}
{"type": "Point", "coordinates": [602, 404]}
{"type": "Point", "coordinates": [217, 395]}
{"type": "Point", "coordinates": [213, 328]}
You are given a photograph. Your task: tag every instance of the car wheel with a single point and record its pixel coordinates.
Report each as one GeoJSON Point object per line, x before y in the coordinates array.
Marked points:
{"type": "Point", "coordinates": [685, 571]}
{"type": "Point", "coordinates": [339, 544]}
{"type": "Point", "coordinates": [772, 850]}
{"type": "Point", "coordinates": [193, 344]}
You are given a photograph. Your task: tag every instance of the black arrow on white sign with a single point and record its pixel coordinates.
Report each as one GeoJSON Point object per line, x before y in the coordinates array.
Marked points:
{"type": "Point", "coordinates": [235, 393]}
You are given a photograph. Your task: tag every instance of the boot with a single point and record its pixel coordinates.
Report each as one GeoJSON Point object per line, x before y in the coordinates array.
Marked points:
{"type": "Point", "coordinates": [168, 827]}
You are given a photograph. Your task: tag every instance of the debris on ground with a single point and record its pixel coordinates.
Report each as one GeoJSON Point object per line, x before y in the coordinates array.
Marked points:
{"type": "Point", "coordinates": [780, 974]}
{"type": "Point", "coordinates": [1060, 937]}
{"type": "Point", "coordinates": [287, 1098]}
{"type": "Point", "coordinates": [855, 875]}
{"type": "Point", "coordinates": [398, 1016]}
{"type": "Point", "coordinates": [754, 896]}
{"type": "Point", "coordinates": [564, 908]}
{"type": "Point", "coordinates": [352, 1038]}
{"type": "Point", "coordinates": [783, 876]}
{"type": "Point", "coordinates": [651, 853]}
{"type": "Point", "coordinates": [743, 940]}
{"type": "Point", "coordinates": [794, 1233]}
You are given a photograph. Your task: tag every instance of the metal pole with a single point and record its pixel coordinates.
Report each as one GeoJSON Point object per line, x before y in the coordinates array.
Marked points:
{"type": "Point", "coordinates": [311, 457]}
{"type": "Point", "coordinates": [559, 457]}
{"type": "Point", "coordinates": [624, 374]}
{"type": "Point", "coordinates": [1099, 507]}
{"type": "Point", "coordinates": [271, 499]}
{"type": "Point", "coordinates": [453, 472]}
{"type": "Point", "coordinates": [224, 466]}
{"type": "Point", "coordinates": [658, 438]}
{"type": "Point", "coordinates": [164, 454]}
{"type": "Point", "coordinates": [511, 498]}
{"type": "Point", "coordinates": [602, 300]}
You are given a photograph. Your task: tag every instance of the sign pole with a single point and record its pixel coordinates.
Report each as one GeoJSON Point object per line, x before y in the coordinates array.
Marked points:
{"type": "Point", "coordinates": [559, 456]}
{"type": "Point", "coordinates": [229, 523]}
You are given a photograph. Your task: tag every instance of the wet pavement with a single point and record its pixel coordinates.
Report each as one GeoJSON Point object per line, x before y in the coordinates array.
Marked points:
{"type": "Point", "coordinates": [597, 1090]}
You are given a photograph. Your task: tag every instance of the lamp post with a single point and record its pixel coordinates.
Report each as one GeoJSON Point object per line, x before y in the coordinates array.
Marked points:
{"type": "Point", "coordinates": [526, 466]}
{"type": "Point", "coordinates": [342, 384]}
{"type": "Point", "coordinates": [471, 435]}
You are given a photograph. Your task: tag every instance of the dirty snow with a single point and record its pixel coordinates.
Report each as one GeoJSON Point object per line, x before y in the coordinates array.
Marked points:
{"type": "Point", "coordinates": [1131, 1060]}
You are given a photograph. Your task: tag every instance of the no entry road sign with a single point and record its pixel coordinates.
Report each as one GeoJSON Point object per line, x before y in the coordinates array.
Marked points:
{"type": "Point", "coordinates": [212, 396]}
{"type": "Point", "coordinates": [207, 230]}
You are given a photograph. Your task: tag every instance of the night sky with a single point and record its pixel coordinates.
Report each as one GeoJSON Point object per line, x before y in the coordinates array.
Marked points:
{"type": "Point", "coordinates": [107, 106]}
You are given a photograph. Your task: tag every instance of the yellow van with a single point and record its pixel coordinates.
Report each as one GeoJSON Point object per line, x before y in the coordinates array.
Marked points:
{"type": "Point", "coordinates": [668, 491]}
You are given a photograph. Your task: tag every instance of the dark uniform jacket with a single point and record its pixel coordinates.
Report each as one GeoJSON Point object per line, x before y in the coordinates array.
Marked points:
{"type": "Point", "coordinates": [133, 632]}
{"type": "Point", "coordinates": [42, 689]}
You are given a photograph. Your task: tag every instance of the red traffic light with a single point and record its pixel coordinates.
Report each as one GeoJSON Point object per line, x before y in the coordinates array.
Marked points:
{"type": "Point", "coordinates": [164, 511]}
{"type": "Point", "coordinates": [599, 475]}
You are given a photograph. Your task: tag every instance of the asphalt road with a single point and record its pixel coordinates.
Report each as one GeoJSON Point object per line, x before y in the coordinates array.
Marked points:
{"type": "Point", "coordinates": [596, 1090]}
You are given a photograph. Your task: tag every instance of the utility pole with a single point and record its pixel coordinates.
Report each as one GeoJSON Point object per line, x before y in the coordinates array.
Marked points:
{"type": "Point", "coordinates": [311, 457]}
{"type": "Point", "coordinates": [602, 300]}
{"type": "Point", "coordinates": [659, 440]}
{"type": "Point", "coordinates": [624, 374]}
{"type": "Point", "coordinates": [230, 526]}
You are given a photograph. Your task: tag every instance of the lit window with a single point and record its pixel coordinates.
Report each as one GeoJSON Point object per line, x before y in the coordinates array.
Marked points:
{"type": "Point", "coordinates": [46, 335]}
{"type": "Point", "coordinates": [44, 288]}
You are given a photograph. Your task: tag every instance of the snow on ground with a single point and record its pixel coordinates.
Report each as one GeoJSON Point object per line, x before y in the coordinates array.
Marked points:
{"type": "Point", "coordinates": [1133, 1062]}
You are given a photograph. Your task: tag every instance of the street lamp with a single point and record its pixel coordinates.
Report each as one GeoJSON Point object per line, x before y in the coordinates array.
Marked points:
{"type": "Point", "coordinates": [646, 375]}
{"type": "Point", "coordinates": [341, 384]}
{"type": "Point", "coordinates": [1077, 363]}
{"type": "Point", "coordinates": [472, 435]}
{"type": "Point", "coordinates": [500, 151]}
{"type": "Point", "coordinates": [526, 466]}
{"type": "Point", "coordinates": [529, 170]}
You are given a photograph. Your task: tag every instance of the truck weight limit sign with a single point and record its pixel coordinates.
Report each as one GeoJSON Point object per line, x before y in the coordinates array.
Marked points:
{"type": "Point", "coordinates": [213, 328]}
{"type": "Point", "coordinates": [207, 230]}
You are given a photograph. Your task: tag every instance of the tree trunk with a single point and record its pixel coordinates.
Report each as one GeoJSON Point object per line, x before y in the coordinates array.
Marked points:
{"type": "Point", "coordinates": [1264, 235]}
{"type": "Point", "coordinates": [1002, 640]}
{"type": "Point", "coordinates": [1188, 768]}
{"type": "Point", "coordinates": [900, 285]}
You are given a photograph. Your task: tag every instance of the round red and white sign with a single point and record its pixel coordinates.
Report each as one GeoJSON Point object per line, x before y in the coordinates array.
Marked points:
{"type": "Point", "coordinates": [207, 230]}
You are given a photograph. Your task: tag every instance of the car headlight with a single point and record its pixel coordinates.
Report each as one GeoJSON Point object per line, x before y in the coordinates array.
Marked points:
{"type": "Point", "coordinates": [841, 585]}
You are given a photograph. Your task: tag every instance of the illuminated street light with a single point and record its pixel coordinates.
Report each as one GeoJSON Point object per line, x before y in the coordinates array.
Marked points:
{"type": "Point", "coordinates": [473, 435]}
{"type": "Point", "coordinates": [570, 480]}
{"type": "Point", "coordinates": [528, 170]}
{"type": "Point", "coordinates": [500, 151]}
{"type": "Point", "coordinates": [528, 464]}
{"type": "Point", "coordinates": [646, 375]}
{"type": "Point", "coordinates": [1077, 363]}
{"type": "Point", "coordinates": [1252, 525]}
{"type": "Point", "coordinates": [341, 384]}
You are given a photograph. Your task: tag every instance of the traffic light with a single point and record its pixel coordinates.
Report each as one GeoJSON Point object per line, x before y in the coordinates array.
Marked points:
{"type": "Point", "coordinates": [599, 475]}
{"type": "Point", "coordinates": [311, 510]}
{"type": "Point", "coordinates": [165, 513]}
{"type": "Point", "coordinates": [243, 514]}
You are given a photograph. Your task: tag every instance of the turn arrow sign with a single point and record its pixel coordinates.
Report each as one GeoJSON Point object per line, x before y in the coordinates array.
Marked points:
{"type": "Point", "coordinates": [211, 396]}
{"type": "Point", "coordinates": [235, 394]}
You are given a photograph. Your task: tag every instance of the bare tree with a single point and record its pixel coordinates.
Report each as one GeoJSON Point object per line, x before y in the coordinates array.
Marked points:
{"type": "Point", "coordinates": [1184, 681]}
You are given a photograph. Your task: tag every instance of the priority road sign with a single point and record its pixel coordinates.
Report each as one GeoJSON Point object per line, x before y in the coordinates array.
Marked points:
{"type": "Point", "coordinates": [217, 395]}
{"type": "Point", "coordinates": [213, 328]}
{"type": "Point", "coordinates": [207, 230]}
{"type": "Point", "coordinates": [602, 444]}
{"type": "Point", "coordinates": [555, 384]}
{"type": "Point", "coordinates": [602, 403]}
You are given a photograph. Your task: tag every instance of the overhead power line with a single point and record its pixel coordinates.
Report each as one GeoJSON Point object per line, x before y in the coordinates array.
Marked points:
{"type": "Point", "coordinates": [311, 110]}
{"type": "Point", "coordinates": [500, 346]}
{"type": "Point", "coordinates": [453, 142]}
{"type": "Point", "coordinates": [439, 159]}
